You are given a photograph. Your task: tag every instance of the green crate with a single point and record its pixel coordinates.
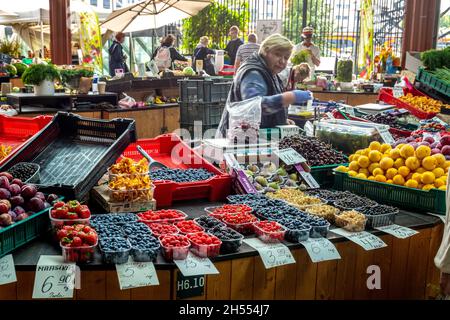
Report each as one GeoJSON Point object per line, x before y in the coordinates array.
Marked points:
{"type": "Point", "coordinates": [399, 196]}
{"type": "Point", "coordinates": [324, 174]}
{"type": "Point", "coordinates": [22, 232]}
{"type": "Point", "coordinates": [433, 82]}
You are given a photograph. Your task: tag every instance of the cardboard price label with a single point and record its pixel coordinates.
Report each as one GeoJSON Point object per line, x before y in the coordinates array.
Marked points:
{"type": "Point", "coordinates": [365, 239]}
{"type": "Point", "coordinates": [398, 231]}
{"type": "Point", "coordinates": [54, 278]}
{"type": "Point", "coordinates": [321, 249]}
{"type": "Point", "coordinates": [386, 136]}
{"type": "Point", "coordinates": [288, 130]}
{"type": "Point", "coordinates": [195, 266]}
{"type": "Point", "coordinates": [272, 254]}
{"type": "Point", "coordinates": [309, 179]}
{"type": "Point", "coordinates": [7, 270]}
{"type": "Point", "coordinates": [289, 156]}
{"type": "Point", "coordinates": [136, 274]}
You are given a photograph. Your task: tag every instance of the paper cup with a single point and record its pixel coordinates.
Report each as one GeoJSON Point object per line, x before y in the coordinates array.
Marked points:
{"type": "Point", "coordinates": [101, 87]}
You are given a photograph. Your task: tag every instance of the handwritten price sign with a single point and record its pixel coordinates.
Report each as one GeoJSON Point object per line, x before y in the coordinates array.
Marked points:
{"type": "Point", "coordinates": [272, 254]}
{"type": "Point", "coordinates": [136, 274]}
{"type": "Point", "coordinates": [54, 278]}
{"type": "Point", "coordinates": [7, 270]}
{"type": "Point", "coordinates": [289, 156]}
{"type": "Point", "coordinates": [398, 231]}
{"type": "Point", "coordinates": [195, 266]}
{"type": "Point", "coordinates": [365, 239]}
{"type": "Point", "coordinates": [321, 249]}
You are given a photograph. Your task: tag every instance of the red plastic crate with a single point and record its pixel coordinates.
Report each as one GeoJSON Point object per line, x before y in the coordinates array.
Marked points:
{"type": "Point", "coordinates": [386, 95]}
{"type": "Point", "coordinates": [161, 148]}
{"type": "Point", "coordinates": [339, 115]}
{"type": "Point", "coordinates": [16, 131]}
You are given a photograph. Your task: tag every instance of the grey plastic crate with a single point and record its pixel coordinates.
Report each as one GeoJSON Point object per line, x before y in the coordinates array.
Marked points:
{"type": "Point", "coordinates": [208, 90]}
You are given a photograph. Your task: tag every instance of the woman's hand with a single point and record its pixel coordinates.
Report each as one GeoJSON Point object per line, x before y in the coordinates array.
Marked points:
{"type": "Point", "coordinates": [301, 96]}
{"type": "Point", "coordinates": [290, 122]}
{"type": "Point", "coordinates": [445, 283]}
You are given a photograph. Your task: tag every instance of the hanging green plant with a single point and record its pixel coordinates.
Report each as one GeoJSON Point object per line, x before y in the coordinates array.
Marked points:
{"type": "Point", "coordinates": [300, 57]}
{"type": "Point", "coordinates": [37, 73]}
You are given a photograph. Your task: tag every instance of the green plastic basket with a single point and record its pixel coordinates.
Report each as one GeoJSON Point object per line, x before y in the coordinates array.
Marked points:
{"type": "Point", "coordinates": [399, 196]}
{"type": "Point", "coordinates": [433, 82]}
{"type": "Point", "coordinates": [324, 174]}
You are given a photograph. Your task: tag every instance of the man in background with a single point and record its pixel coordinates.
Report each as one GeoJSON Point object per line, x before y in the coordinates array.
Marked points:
{"type": "Point", "coordinates": [246, 50]}
{"type": "Point", "coordinates": [307, 44]}
{"type": "Point", "coordinates": [234, 44]}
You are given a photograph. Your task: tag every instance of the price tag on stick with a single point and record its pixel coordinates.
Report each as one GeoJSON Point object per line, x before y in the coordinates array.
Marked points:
{"type": "Point", "coordinates": [272, 254]}
{"type": "Point", "coordinates": [321, 249]}
{"type": "Point", "coordinates": [289, 156]}
{"type": "Point", "coordinates": [54, 278]}
{"type": "Point", "coordinates": [398, 231]}
{"type": "Point", "coordinates": [136, 274]}
{"type": "Point", "coordinates": [386, 136]}
{"type": "Point", "coordinates": [195, 266]}
{"type": "Point", "coordinates": [7, 270]}
{"type": "Point", "coordinates": [365, 239]}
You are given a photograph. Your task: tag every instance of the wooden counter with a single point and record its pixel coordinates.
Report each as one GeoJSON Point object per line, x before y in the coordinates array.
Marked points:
{"type": "Point", "coordinates": [350, 98]}
{"type": "Point", "coordinates": [407, 270]}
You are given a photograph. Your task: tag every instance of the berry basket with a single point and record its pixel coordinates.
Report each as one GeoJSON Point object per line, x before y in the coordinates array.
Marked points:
{"type": "Point", "coordinates": [84, 254]}
{"type": "Point", "coordinates": [74, 152]}
{"type": "Point", "coordinates": [228, 245]}
{"type": "Point", "coordinates": [17, 131]}
{"type": "Point", "coordinates": [204, 250]}
{"type": "Point", "coordinates": [168, 149]}
{"type": "Point", "coordinates": [171, 252]}
{"type": "Point", "coordinates": [319, 231]}
{"type": "Point", "coordinates": [269, 236]}
{"type": "Point", "coordinates": [112, 256]}
{"type": "Point", "coordinates": [297, 235]}
{"type": "Point", "coordinates": [380, 220]}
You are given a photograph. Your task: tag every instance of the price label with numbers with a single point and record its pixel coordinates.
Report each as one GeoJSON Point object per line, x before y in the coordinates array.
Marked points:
{"type": "Point", "coordinates": [272, 254]}
{"type": "Point", "coordinates": [386, 136]}
{"type": "Point", "coordinates": [188, 287]}
{"type": "Point", "coordinates": [398, 231]}
{"type": "Point", "coordinates": [321, 249]}
{"type": "Point", "coordinates": [54, 278]}
{"type": "Point", "coordinates": [195, 266]}
{"type": "Point", "coordinates": [398, 92]}
{"type": "Point", "coordinates": [7, 270]}
{"type": "Point", "coordinates": [365, 239]}
{"type": "Point", "coordinates": [309, 179]}
{"type": "Point", "coordinates": [289, 156]}
{"type": "Point", "coordinates": [136, 274]}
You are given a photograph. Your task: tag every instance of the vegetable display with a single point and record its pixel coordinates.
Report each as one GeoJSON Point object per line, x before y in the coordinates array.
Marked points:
{"type": "Point", "coordinates": [4, 151]}
{"type": "Point", "coordinates": [300, 57]}
{"type": "Point", "coordinates": [344, 70]}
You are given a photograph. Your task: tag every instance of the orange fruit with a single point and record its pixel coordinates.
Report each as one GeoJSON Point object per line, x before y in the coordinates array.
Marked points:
{"type": "Point", "coordinates": [399, 163]}
{"type": "Point", "coordinates": [390, 181]}
{"type": "Point", "coordinates": [361, 176]}
{"type": "Point", "coordinates": [429, 163]}
{"type": "Point", "coordinates": [380, 178]}
{"type": "Point", "coordinates": [407, 151]}
{"type": "Point", "coordinates": [440, 159]}
{"type": "Point", "coordinates": [385, 148]}
{"type": "Point", "coordinates": [428, 187]}
{"type": "Point", "coordinates": [443, 188]}
{"type": "Point", "coordinates": [420, 170]}
{"type": "Point", "coordinates": [399, 146]}
{"type": "Point", "coordinates": [399, 180]}
{"type": "Point", "coordinates": [375, 145]}
{"type": "Point", "coordinates": [386, 163]}
{"type": "Point", "coordinates": [371, 178]}
{"type": "Point", "coordinates": [417, 177]}
{"type": "Point", "coordinates": [423, 151]}
{"type": "Point", "coordinates": [403, 171]}
{"type": "Point", "coordinates": [375, 156]}
{"type": "Point", "coordinates": [363, 161]}
{"type": "Point", "coordinates": [353, 166]}
{"type": "Point", "coordinates": [438, 172]}
{"type": "Point", "coordinates": [394, 153]}
{"type": "Point", "coordinates": [378, 172]}
{"type": "Point", "coordinates": [446, 164]}
{"type": "Point", "coordinates": [428, 177]}
{"type": "Point", "coordinates": [411, 183]}
{"type": "Point", "coordinates": [412, 163]}
{"type": "Point", "coordinates": [439, 183]}
{"type": "Point", "coordinates": [365, 171]}
{"type": "Point", "coordinates": [352, 173]}
{"type": "Point", "coordinates": [373, 166]}
{"type": "Point", "coordinates": [391, 173]}
{"type": "Point", "coordinates": [342, 169]}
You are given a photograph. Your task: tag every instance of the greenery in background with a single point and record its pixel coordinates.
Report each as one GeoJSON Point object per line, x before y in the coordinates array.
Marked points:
{"type": "Point", "coordinates": [37, 73]}
{"type": "Point", "coordinates": [443, 74]}
{"type": "Point", "coordinates": [214, 21]}
{"type": "Point", "coordinates": [300, 57]}
{"type": "Point", "coordinates": [344, 70]}
{"type": "Point", "coordinates": [20, 67]}
{"type": "Point", "coordinates": [317, 13]}
{"type": "Point", "coordinates": [10, 47]}
{"type": "Point", "coordinates": [69, 74]}
{"type": "Point", "coordinates": [433, 59]}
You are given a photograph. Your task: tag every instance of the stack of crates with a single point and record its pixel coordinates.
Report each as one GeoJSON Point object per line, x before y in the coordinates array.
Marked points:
{"type": "Point", "coordinates": [202, 101]}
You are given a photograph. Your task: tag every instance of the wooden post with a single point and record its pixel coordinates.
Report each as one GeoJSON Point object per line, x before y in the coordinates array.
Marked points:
{"type": "Point", "coordinates": [60, 34]}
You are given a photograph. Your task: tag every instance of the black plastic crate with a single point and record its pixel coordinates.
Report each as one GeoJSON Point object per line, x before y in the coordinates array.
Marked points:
{"type": "Point", "coordinates": [74, 152]}
{"type": "Point", "coordinates": [207, 113]}
{"type": "Point", "coordinates": [208, 90]}
{"type": "Point", "coordinates": [195, 135]}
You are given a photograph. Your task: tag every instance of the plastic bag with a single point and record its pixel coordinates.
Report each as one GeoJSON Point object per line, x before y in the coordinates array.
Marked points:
{"type": "Point", "coordinates": [127, 102]}
{"type": "Point", "coordinates": [243, 120]}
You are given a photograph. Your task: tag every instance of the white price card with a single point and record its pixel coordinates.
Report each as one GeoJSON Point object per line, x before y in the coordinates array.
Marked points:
{"type": "Point", "coordinates": [136, 274]}
{"type": "Point", "coordinates": [289, 156]}
{"type": "Point", "coordinates": [54, 278]}
{"type": "Point", "coordinates": [309, 179]}
{"type": "Point", "coordinates": [398, 231]}
{"type": "Point", "coordinates": [365, 239]}
{"type": "Point", "coordinates": [272, 254]}
{"type": "Point", "coordinates": [386, 136]}
{"type": "Point", "coordinates": [196, 266]}
{"type": "Point", "coordinates": [398, 92]}
{"type": "Point", "coordinates": [7, 270]}
{"type": "Point", "coordinates": [321, 249]}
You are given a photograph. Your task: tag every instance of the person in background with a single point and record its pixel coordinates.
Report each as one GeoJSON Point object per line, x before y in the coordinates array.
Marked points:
{"type": "Point", "coordinates": [202, 52]}
{"type": "Point", "coordinates": [246, 50]}
{"type": "Point", "coordinates": [307, 44]}
{"type": "Point", "coordinates": [117, 59]}
{"type": "Point", "coordinates": [234, 44]}
{"type": "Point", "coordinates": [258, 76]}
{"type": "Point", "coordinates": [442, 258]}
{"type": "Point", "coordinates": [166, 54]}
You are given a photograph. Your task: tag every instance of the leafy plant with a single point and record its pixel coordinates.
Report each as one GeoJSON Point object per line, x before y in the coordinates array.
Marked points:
{"type": "Point", "coordinates": [11, 70]}
{"type": "Point", "coordinates": [344, 70]}
{"type": "Point", "coordinates": [37, 73]}
{"type": "Point", "coordinates": [433, 59]}
{"type": "Point", "coordinates": [214, 21]}
{"type": "Point", "coordinates": [300, 57]}
{"type": "Point", "coordinates": [69, 74]}
{"type": "Point", "coordinates": [10, 47]}
{"type": "Point", "coordinates": [20, 67]}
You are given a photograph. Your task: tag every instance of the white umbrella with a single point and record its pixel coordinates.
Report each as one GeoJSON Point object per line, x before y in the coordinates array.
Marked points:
{"type": "Point", "coordinates": [4, 13]}
{"type": "Point", "coordinates": [152, 14]}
